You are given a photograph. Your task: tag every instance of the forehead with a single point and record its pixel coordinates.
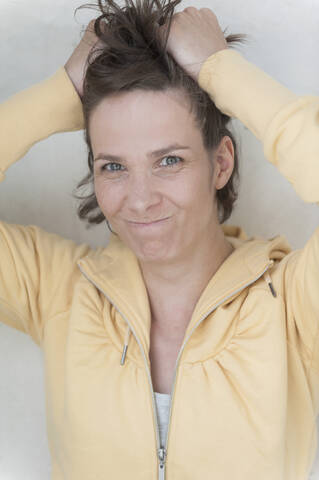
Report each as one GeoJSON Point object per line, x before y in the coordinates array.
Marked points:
{"type": "Point", "coordinates": [144, 117]}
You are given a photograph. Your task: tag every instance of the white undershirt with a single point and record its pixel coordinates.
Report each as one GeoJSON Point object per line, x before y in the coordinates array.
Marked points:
{"type": "Point", "coordinates": [162, 407]}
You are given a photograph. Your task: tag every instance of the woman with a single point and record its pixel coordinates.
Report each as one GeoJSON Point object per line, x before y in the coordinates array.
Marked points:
{"type": "Point", "coordinates": [225, 327]}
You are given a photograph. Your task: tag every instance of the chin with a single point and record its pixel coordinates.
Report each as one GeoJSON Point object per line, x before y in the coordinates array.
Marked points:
{"type": "Point", "coordinates": [155, 251]}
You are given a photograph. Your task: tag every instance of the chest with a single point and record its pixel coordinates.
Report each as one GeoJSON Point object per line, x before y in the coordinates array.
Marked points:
{"type": "Point", "coordinates": [101, 416]}
{"type": "Point", "coordinates": [164, 350]}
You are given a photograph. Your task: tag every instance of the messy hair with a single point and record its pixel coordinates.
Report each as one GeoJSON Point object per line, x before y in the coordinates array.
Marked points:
{"type": "Point", "coordinates": [134, 57]}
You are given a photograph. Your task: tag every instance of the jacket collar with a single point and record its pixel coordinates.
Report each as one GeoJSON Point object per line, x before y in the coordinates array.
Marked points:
{"type": "Point", "coordinates": [115, 271]}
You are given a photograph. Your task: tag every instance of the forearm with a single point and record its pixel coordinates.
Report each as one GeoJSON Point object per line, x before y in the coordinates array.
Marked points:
{"type": "Point", "coordinates": [33, 114]}
{"type": "Point", "coordinates": [242, 90]}
{"type": "Point", "coordinates": [287, 125]}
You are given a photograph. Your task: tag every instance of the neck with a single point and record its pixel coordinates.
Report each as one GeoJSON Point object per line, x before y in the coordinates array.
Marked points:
{"type": "Point", "coordinates": [175, 287]}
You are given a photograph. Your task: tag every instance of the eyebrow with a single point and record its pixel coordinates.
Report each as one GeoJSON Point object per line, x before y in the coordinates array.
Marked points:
{"type": "Point", "coordinates": [155, 153]}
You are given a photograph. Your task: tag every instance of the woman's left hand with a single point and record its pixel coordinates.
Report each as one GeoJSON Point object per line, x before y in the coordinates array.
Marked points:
{"type": "Point", "coordinates": [194, 36]}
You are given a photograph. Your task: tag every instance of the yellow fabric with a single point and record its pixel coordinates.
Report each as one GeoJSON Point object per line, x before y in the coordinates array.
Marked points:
{"type": "Point", "coordinates": [246, 390]}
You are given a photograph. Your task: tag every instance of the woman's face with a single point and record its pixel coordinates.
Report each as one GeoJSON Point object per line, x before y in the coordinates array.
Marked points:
{"type": "Point", "coordinates": [152, 175]}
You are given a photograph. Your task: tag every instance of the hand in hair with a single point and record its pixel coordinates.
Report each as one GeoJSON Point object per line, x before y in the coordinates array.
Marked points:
{"type": "Point", "coordinates": [76, 65]}
{"type": "Point", "coordinates": [194, 36]}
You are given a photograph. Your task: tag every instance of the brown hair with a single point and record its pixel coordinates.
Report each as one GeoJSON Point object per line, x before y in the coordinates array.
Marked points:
{"type": "Point", "coordinates": [134, 57]}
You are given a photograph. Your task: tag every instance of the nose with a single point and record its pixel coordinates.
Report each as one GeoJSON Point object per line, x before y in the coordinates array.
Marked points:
{"type": "Point", "coordinates": [142, 195]}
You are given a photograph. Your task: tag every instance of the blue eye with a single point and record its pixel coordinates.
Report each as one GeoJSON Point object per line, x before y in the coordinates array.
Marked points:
{"type": "Point", "coordinates": [171, 161]}
{"type": "Point", "coordinates": [110, 165]}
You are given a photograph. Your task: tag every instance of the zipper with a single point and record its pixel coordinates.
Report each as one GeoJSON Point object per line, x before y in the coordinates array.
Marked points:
{"type": "Point", "coordinates": [162, 450]}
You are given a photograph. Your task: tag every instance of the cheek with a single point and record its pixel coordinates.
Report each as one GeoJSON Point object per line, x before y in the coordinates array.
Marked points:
{"type": "Point", "coordinates": [108, 197]}
{"type": "Point", "coordinates": [193, 191]}
{"type": "Point", "coordinates": [200, 198]}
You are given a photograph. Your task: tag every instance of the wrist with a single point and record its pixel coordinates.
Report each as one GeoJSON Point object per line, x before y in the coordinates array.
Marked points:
{"type": "Point", "coordinates": [72, 77]}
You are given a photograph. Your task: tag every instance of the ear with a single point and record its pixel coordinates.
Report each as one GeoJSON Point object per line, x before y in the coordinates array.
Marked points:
{"type": "Point", "coordinates": [223, 162]}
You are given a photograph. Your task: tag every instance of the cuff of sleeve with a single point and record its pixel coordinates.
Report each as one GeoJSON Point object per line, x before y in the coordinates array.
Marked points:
{"type": "Point", "coordinates": [242, 90]}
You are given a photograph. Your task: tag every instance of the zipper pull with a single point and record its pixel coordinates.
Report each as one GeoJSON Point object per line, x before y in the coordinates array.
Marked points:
{"type": "Point", "coordinates": [161, 466]}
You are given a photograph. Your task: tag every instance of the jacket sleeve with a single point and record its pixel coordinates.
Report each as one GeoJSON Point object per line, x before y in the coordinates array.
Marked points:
{"type": "Point", "coordinates": [288, 127]}
{"type": "Point", "coordinates": [33, 114]}
{"type": "Point", "coordinates": [37, 268]}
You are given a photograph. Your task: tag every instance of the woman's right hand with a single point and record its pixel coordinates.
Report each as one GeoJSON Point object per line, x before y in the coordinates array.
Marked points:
{"type": "Point", "coordinates": [76, 65]}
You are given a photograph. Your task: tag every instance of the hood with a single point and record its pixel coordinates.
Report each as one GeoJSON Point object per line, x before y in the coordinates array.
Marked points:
{"type": "Point", "coordinates": [115, 271]}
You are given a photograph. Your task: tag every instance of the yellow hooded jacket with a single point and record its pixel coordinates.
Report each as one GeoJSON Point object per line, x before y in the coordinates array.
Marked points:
{"type": "Point", "coordinates": [246, 387]}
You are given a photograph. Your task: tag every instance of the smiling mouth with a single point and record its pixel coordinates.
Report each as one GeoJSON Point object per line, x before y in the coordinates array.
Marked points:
{"type": "Point", "coordinates": [149, 223]}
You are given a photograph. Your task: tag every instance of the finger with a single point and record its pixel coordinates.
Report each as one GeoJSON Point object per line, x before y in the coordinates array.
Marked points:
{"type": "Point", "coordinates": [190, 9]}
{"type": "Point", "coordinates": [89, 37]}
{"type": "Point", "coordinates": [160, 31]}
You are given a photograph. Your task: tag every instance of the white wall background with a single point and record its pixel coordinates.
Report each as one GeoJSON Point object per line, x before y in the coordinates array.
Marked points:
{"type": "Point", "coordinates": [36, 37]}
